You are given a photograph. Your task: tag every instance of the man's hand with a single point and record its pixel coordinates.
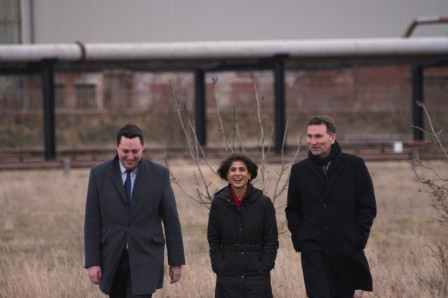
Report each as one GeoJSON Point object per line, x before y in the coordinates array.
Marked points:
{"type": "Point", "coordinates": [95, 274]}
{"type": "Point", "coordinates": [175, 273]}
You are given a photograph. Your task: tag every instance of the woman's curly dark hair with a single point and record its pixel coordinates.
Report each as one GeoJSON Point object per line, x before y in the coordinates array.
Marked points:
{"type": "Point", "coordinates": [251, 166]}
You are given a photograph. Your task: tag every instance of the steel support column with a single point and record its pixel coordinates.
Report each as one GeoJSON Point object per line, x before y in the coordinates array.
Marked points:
{"type": "Point", "coordinates": [199, 109]}
{"type": "Point", "coordinates": [49, 110]}
{"type": "Point", "coordinates": [417, 95]}
{"type": "Point", "coordinates": [279, 103]}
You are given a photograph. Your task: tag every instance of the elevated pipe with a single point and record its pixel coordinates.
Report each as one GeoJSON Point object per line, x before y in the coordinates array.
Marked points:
{"type": "Point", "coordinates": [337, 48]}
{"type": "Point", "coordinates": [424, 21]}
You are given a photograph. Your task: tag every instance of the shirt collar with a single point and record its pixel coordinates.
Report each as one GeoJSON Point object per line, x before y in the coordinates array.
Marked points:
{"type": "Point", "coordinates": [123, 169]}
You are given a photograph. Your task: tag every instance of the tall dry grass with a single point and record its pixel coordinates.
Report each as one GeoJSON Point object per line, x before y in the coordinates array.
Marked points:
{"type": "Point", "coordinates": [41, 237]}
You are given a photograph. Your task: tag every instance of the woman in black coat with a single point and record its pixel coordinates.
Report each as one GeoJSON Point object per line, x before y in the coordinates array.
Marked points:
{"type": "Point", "coordinates": [242, 233]}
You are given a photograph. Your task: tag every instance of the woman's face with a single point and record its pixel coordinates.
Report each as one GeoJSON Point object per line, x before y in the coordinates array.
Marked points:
{"type": "Point", "coordinates": [238, 175]}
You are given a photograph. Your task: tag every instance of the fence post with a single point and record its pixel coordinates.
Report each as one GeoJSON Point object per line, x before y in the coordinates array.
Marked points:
{"type": "Point", "coordinates": [199, 110]}
{"type": "Point", "coordinates": [49, 108]}
{"type": "Point", "coordinates": [417, 95]}
{"type": "Point", "coordinates": [279, 102]}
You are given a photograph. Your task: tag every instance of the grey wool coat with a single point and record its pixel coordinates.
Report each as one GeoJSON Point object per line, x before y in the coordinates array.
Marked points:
{"type": "Point", "coordinates": [329, 217]}
{"type": "Point", "coordinates": [109, 225]}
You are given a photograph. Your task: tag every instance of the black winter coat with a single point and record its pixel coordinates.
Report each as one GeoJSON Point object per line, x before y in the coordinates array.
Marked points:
{"type": "Point", "coordinates": [330, 217]}
{"type": "Point", "coordinates": [243, 241]}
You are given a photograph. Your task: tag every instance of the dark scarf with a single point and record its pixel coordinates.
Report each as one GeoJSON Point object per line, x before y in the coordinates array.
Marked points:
{"type": "Point", "coordinates": [317, 162]}
{"type": "Point", "coordinates": [335, 150]}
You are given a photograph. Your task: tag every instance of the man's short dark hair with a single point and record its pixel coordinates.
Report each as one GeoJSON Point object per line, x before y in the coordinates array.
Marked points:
{"type": "Point", "coordinates": [130, 131]}
{"type": "Point", "coordinates": [251, 166]}
{"type": "Point", "coordinates": [323, 119]}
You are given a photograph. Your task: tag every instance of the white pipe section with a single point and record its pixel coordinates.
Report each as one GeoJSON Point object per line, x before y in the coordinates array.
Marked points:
{"type": "Point", "coordinates": [390, 47]}
{"type": "Point", "coordinates": [37, 52]}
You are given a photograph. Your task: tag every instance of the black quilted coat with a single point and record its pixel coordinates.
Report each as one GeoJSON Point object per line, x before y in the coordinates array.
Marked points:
{"type": "Point", "coordinates": [243, 243]}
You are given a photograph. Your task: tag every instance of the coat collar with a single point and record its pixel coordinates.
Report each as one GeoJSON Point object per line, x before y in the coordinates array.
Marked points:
{"type": "Point", "coordinates": [116, 176]}
{"type": "Point", "coordinates": [252, 195]}
{"type": "Point", "coordinates": [327, 182]}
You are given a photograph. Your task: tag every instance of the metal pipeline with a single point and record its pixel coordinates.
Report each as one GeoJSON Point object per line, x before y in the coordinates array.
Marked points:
{"type": "Point", "coordinates": [336, 48]}
{"type": "Point", "coordinates": [424, 21]}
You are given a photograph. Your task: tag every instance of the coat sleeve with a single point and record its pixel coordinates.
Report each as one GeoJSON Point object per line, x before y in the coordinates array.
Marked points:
{"type": "Point", "coordinates": [270, 236]}
{"type": "Point", "coordinates": [366, 203]}
{"type": "Point", "coordinates": [215, 241]}
{"type": "Point", "coordinates": [171, 223]}
{"type": "Point", "coordinates": [293, 209]}
{"type": "Point", "coordinates": [92, 225]}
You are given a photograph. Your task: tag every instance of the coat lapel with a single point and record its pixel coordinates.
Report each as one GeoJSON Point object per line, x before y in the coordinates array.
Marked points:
{"type": "Point", "coordinates": [333, 177]}
{"type": "Point", "coordinates": [326, 183]}
{"type": "Point", "coordinates": [145, 182]}
{"type": "Point", "coordinates": [117, 181]}
{"type": "Point", "coordinates": [320, 178]}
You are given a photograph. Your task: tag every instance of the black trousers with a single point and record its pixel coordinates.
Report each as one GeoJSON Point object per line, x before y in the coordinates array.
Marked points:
{"type": "Point", "coordinates": [122, 286]}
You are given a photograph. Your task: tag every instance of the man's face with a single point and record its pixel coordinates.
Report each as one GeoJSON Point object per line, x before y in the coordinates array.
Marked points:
{"type": "Point", "coordinates": [130, 152]}
{"type": "Point", "coordinates": [319, 141]}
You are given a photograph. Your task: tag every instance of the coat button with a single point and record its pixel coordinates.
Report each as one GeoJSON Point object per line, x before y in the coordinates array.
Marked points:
{"type": "Point", "coordinates": [325, 205]}
{"type": "Point", "coordinates": [242, 276]}
{"type": "Point", "coordinates": [242, 252]}
{"type": "Point", "coordinates": [326, 228]}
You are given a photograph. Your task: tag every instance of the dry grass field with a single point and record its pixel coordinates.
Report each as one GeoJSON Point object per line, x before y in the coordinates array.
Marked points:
{"type": "Point", "coordinates": [41, 237]}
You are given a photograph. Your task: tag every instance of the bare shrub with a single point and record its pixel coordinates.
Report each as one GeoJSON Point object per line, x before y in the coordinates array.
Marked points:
{"type": "Point", "coordinates": [437, 186]}
{"type": "Point", "coordinates": [231, 142]}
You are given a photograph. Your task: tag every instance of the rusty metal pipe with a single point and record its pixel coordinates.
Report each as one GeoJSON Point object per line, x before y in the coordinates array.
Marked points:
{"type": "Point", "coordinates": [423, 21]}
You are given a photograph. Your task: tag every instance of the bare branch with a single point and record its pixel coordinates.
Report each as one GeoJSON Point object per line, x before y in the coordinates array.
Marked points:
{"type": "Point", "coordinates": [219, 118]}
{"type": "Point", "coordinates": [436, 186]}
{"type": "Point", "coordinates": [237, 129]}
{"type": "Point", "coordinates": [203, 193]}
{"type": "Point", "coordinates": [433, 133]}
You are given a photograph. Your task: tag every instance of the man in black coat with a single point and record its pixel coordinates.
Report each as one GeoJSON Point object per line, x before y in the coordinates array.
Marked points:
{"type": "Point", "coordinates": [128, 198]}
{"type": "Point", "coordinates": [330, 210]}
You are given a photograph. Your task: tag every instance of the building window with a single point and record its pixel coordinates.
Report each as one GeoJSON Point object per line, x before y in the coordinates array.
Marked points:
{"type": "Point", "coordinates": [85, 96]}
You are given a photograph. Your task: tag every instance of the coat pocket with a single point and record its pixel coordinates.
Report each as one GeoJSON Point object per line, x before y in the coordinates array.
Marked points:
{"type": "Point", "coordinates": [158, 239]}
{"type": "Point", "coordinates": [231, 264]}
{"type": "Point", "coordinates": [219, 267]}
{"type": "Point", "coordinates": [103, 234]}
{"type": "Point", "coordinates": [253, 263]}
{"type": "Point", "coordinates": [296, 241]}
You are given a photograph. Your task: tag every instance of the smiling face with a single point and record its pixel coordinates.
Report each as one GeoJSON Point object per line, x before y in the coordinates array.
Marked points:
{"type": "Point", "coordinates": [238, 175]}
{"type": "Point", "coordinates": [319, 141]}
{"type": "Point", "coordinates": [129, 152]}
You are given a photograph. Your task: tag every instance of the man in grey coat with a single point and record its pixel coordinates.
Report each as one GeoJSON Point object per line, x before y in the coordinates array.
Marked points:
{"type": "Point", "coordinates": [128, 198]}
{"type": "Point", "coordinates": [330, 210]}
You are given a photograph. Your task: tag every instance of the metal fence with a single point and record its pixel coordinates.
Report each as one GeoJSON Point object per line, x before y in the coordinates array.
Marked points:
{"type": "Point", "coordinates": [362, 112]}
{"type": "Point", "coordinates": [323, 99]}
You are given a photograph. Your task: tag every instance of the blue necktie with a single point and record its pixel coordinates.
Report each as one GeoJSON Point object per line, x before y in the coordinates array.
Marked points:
{"type": "Point", "coordinates": [325, 168]}
{"type": "Point", "coordinates": [127, 187]}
